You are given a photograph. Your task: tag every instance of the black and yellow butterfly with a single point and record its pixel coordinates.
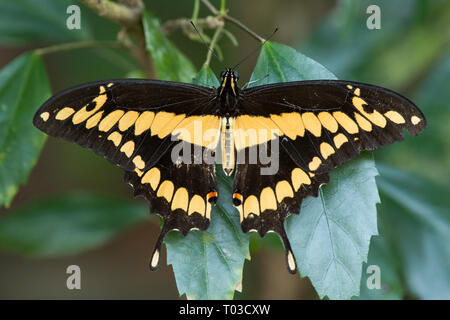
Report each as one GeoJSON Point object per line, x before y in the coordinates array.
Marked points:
{"type": "Point", "coordinates": [160, 133]}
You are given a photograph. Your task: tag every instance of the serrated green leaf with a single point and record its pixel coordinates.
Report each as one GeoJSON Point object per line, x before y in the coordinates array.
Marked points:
{"type": "Point", "coordinates": [23, 88]}
{"type": "Point", "coordinates": [331, 236]}
{"type": "Point", "coordinates": [209, 264]}
{"type": "Point", "coordinates": [281, 63]}
{"type": "Point", "coordinates": [206, 77]}
{"type": "Point", "coordinates": [416, 219]}
{"type": "Point", "coordinates": [169, 62]}
{"type": "Point", "coordinates": [67, 224]}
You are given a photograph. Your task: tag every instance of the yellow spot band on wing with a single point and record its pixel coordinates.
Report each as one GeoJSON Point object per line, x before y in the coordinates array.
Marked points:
{"type": "Point", "coordinates": [251, 205]}
{"type": "Point", "coordinates": [314, 164]}
{"type": "Point", "coordinates": [45, 116]}
{"type": "Point", "coordinates": [115, 137]}
{"type": "Point", "coordinates": [339, 140]}
{"type": "Point", "coordinates": [415, 120]}
{"type": "Point", "coordinates": [252, 130]}
{"type": "Point", "coordinates": [82, 114]}
{"type": "Point", "coordinates": [283, 190]}
{"type": "Point", "coordinates": [362, 122]}
{"type": "Point", "coordinates": [375, 117]}
{"type": "Point", "coordinates": [180, 199]}
{"type": "Point", "coordinates": [395, 117]}
{"type": "Point", "coordinates": [267, 199]}
{"type": "Point", "coordinates": [128, 148]}
{"type": "Point", "coordinates": [299, 177]}
{"type": "Point", "coordinates": [144, 122]}
{"type": "Point", "coordinates": [312, 123]}
{"type": "Point", "coordinates": [328, 122]}
{"type": "Point", "coordinates": [291, 124]}
{"type": "Point", "coordinates": [152, 176]}
{"type": "Point", "coordinates": [165, 190]}
{"type": "Point", "coordinates": [127, 120]}
{"type": "Point", "coordinates": [164, 123]}
{"type": "Point", "coordinates": [94, 120]}
{"type": "Point", "coordinates": [197, 204]}
{"type": "Point", "coordinates": [138, 162]}
{"type": "Point", "coordinates": [138, 172]}
{"type": "Point", "coordinates": [326, 150]}
{"type": "Point", "coordinates": [110, 120]}
{"type": "Point", "coordinates": [346, 122]}
{"type": "Point", "coordinates": [64, 113]}
{"type": "Point", "coordinates": [199, 130]}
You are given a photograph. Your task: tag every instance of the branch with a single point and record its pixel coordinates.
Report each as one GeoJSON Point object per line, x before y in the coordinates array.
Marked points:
{"type": "Point", "coordinates": [127, 15]}
{"type": "Point", "coordinates": [224, 16]}
{"type": "Point", "coordinates": [77, 45]}
{"type": "Point", "coordinates": [210, 22]}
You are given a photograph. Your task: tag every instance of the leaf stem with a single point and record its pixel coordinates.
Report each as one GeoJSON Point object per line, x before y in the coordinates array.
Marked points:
{"type": "Point", "coordinates": [245, 28]}
{"type": "Point", "coordinates": [195, 11]}
{"type": "Point", "coordinates": [213, 43]}
{"type": "Point", "coordinates": [77, 45]}
{"type": "Point", "coordinates": [222, 6]}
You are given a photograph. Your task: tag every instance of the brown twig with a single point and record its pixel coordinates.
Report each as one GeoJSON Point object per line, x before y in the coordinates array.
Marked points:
{"type": "Point", "coordinates": [210, 22]}
{"type": "Point", "coordinates": [128, 13]}
{"type": "Point", "coordinates": [225, 16]}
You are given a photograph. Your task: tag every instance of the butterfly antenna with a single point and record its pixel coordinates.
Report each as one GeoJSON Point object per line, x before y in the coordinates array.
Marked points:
{"type": "Point", "coordinates": [206, 44]}
{"type": "Point", "coordinates": [256, 49]}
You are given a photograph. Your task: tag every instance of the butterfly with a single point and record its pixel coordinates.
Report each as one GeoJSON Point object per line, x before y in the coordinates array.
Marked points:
{"type": "Point", "coordinates": [168, 136]}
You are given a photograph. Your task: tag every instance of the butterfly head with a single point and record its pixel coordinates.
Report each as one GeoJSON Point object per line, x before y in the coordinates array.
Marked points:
{"type": "Point", "coordinates": [228, 84]}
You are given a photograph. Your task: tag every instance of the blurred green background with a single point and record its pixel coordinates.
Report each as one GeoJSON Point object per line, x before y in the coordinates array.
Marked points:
{"type": "Point", "coordinates": [409, 54]}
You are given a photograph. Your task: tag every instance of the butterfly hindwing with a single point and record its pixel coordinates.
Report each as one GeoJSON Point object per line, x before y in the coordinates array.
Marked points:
{"type": "Point", "coordinates": [267, 197]}
{"type": "Point", "coordinates": [182, 193]}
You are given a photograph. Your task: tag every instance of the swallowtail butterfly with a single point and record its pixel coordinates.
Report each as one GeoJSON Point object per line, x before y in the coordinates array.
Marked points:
{"type": "Point", "coordinates": [314, 126]}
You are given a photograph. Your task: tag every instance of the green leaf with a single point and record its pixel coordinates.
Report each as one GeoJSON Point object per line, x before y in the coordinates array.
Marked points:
{"type": "Point", "coordinates": [432, 147]}
{"type": "Point", "coordinates": [23, 88]}
{"type": "Point", "coordinates": [25, 21]}
{"type": "Point", "coordinates": [207, 78]}
{"type": "Point", "coordinates": [280, 63]}
{"type": "Point", "coordinates": [67, 224]}
{"type": "Point", "coordinates": [169, 62]}
{"type": "Point", "coordinates": [331, 236]}
{"type": "Point", "coordinates": [416, 219]}
{"type": "Point", "coordinates": [382, 256]}
{"type": "Point", "coordinates": [209, 264]}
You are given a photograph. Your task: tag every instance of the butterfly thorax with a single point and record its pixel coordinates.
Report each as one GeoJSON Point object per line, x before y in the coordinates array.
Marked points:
{"type": "Point", "coordinates": [228, 93]}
